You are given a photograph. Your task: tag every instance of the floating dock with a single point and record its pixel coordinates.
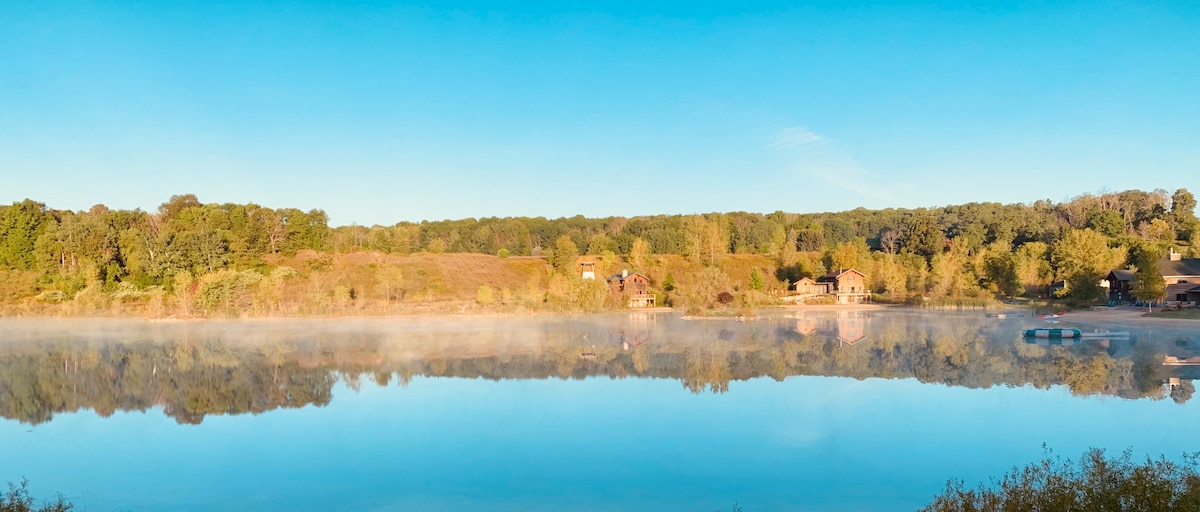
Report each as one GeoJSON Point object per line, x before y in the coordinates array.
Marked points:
{"type": "Point", "coordinates": [1053, 333]}
{"type": "Point", "coordinates": [1074, 334]}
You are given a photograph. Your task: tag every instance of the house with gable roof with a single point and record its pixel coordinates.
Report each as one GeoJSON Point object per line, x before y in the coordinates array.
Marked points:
{"type": "Point", "coordinates": [847, 286]}
{"type": "Point", "coordinates": [1181, 275]}
{"type": "Point", "coordinates": [634, 288]}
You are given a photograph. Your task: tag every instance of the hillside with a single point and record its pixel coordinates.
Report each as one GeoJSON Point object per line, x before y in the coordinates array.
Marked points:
{"type": "Point", "coordinates": [194, 259]}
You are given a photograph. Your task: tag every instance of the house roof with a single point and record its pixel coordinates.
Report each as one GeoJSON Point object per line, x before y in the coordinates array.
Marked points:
{"type": "Point", "coordinates": [851, 338]}
{"type": "Point", "coordinates": [1183, 267]}
{"type": "Point", "coordinates": [838, 273]}
{"type": "Point", "coordinates": [1122, 275]}
{"type": "Point", "coordinates": [620, 277]}
{"type": "Point", "coordinates": [803, 279]}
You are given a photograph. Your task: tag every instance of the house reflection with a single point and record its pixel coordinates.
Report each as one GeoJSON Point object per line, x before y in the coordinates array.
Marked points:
{"type": "Point", "coordinates": [848, 327]}
{"type": "Point", "coordinates": [634, 330]}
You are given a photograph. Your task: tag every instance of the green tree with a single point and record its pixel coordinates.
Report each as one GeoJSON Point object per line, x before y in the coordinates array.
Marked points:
{"type": "Point", "coordinates": [1107, 222]}
{"type": "Point", "coordinates": [924, 237]}
{"type": "Point", "coordinates": [20, 226]}
{"type": "Point", "coordinates": [1148, 284]}
{"type": "Point", "coordinates": [1183, 213]}
{"type": "Point", "coordinates": [1084, 250]}
{"type": "Point", "coordinates": [1084, 286]}
{"type": "Point", "coordinates": [810, 239]}
{"type": "Point", "coordinates": [1000, 270]}
{"type": "Point", "coordinates": [177, 204]}
{"type": "Point", "coordinates": [756, 279]}
{"type": "Point", "coordinates": [563, 257]}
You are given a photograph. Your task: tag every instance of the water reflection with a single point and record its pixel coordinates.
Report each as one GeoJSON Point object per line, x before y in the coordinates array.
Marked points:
{"type": "Point", "coordinates": [191, 370]}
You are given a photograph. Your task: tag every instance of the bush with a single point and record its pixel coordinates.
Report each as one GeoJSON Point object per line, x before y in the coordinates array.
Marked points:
{"type": "Point", "coordinates": [1095, 483]}
{"type": "Point", "coordinates": [485, 296]}
{"type": "Point", "coordinates": [17, 499]}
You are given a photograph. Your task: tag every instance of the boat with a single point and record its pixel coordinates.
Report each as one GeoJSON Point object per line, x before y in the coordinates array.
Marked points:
{"type": "Point", "coordinates": [1105, 335]}
{"type": "Point", "coordinates": [1007, 315]}
{"type": "Point", "coordinates": [1052, 333]}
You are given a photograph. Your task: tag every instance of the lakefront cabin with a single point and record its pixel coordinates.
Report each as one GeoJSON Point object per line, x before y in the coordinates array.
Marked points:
{"type": "Point", "coordinates": [635, 288]}
{"type": "Point", "coordinates": [849, 286]}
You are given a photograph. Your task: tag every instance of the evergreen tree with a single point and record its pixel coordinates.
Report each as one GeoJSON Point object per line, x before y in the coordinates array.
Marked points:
{"type": "Point", "coordinates": [20, 226]}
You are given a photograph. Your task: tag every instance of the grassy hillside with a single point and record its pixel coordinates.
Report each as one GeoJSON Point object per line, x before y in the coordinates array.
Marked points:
{"type": "Point", "coordinates": [312, 283]}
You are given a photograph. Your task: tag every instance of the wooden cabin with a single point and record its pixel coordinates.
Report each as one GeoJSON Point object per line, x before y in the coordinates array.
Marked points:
{"type": "Point", "coordinates": [848, 285]}
{"type": "Point", "coordinates": [635, 288]}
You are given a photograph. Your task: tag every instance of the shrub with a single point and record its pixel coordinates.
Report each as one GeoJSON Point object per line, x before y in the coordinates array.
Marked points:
{"type": "Point", "coordinates": [17, 499]}
{"type": "Point", "coordinates": [485, 296]}
{"type": "Point", "coordinates": [1096, 482]}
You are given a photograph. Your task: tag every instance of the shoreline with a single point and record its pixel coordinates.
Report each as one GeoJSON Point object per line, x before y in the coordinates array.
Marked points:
{"type": "Point", "coordinates": [1127, 315]}
{"type": "Point", "coordinates": [1122, 315]}
{"type": "Point", "coordinates": [447, 314]}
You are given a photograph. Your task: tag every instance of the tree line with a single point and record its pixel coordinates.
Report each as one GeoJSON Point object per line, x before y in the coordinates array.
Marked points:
{"type": "Point", "coordinates": [969, 250]}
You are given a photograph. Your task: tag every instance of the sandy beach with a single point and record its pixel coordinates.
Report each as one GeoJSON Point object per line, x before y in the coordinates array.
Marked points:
{"type": "Point", "coordinates": [1130, 316]}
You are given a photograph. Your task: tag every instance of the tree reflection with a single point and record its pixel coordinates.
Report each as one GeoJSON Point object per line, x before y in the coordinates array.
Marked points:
{"type": "Point", "coordinates": [190, 376]}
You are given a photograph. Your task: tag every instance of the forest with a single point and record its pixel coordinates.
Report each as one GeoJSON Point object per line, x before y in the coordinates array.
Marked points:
{"type": "Point", "coordinates": [190, 258]}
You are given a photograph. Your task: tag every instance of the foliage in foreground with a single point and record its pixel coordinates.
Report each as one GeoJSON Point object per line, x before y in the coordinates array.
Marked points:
{"type": "Point", "coordinates": [1095, 484]}
{"type": "Point", "coordinates": [17, 499]}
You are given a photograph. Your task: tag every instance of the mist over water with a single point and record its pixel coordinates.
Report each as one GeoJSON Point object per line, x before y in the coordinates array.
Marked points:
{"type": "Point", "coordinates": [854, 410]}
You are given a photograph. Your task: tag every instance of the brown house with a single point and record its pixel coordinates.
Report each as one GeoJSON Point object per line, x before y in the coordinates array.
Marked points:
{"type": "Point", "coordinates": [635, 288]}
{"type": "Point", "coordinates": [1181, 275]}
{"type": "Point", "coordinates": [848, 285]}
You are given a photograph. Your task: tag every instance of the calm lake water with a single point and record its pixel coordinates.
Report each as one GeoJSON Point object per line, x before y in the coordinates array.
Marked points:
{"type": "Point", "coordinates": [868, 410]}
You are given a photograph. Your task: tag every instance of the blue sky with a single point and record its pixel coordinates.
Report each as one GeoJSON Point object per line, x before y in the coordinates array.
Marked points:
{"type": "Point", "coordinates": [379, 112]}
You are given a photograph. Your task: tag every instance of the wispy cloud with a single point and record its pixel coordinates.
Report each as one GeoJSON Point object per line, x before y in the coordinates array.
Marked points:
{"type": "Point", "coordinates": [852, 178]}
{"type": "Point", "coordinates": [831, 163]}
{"type": "Point", "coordinates": [794, 137]}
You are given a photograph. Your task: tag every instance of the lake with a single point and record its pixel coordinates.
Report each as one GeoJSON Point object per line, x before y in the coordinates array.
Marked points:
{"type": "Point", "coordinates": [846, 410]}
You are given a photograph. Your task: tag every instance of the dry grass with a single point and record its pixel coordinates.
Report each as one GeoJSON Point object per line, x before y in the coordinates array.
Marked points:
{"type": "Point", "coordinates": [374, 283]}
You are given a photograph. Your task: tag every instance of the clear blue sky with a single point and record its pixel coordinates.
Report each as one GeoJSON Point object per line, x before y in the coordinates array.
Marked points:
{"type": "Point", "coordinates": [378, 113]}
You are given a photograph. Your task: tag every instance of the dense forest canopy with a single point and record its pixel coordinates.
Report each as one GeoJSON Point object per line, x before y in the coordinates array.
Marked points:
{"type": "Point", "coordinates": [968, 250]}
